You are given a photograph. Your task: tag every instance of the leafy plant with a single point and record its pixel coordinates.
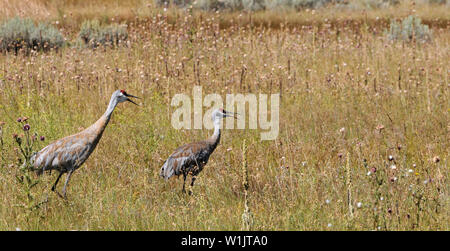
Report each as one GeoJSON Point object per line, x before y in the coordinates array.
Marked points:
{"type": "Point", "coordinates": [25, 143]}
{"type": "Point", "coordinates": [93, 35]}
{"type": "Point", "coordinates": [22, 34]}
{"type": "Point", "coordinates": [410, 29]}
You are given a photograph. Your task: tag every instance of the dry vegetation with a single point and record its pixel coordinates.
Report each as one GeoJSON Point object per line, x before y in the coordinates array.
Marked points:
{"type": "Point", "coordinates": [350, 99]}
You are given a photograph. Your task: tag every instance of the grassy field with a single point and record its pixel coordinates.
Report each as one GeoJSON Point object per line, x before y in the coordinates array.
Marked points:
{"type": "Point", "coordinates": [350, 99]}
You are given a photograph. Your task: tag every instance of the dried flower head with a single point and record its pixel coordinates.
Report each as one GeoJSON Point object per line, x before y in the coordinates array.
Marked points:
{"type": "Point", "coordinates": [380, 127]}
{"type": "Point", "coordinates": [436, 159]}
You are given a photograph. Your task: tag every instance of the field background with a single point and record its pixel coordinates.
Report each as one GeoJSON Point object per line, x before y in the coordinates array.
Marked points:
{"type": "Point", "coordinates": [350, 98]}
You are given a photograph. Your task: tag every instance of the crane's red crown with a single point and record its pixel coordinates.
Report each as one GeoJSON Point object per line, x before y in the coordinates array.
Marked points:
{"type": "Point", "coordinates": [123, 91]}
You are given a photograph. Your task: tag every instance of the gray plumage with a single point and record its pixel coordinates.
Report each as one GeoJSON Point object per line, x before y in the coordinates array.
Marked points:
{"type": "Point", "coordinates": [192, 157]}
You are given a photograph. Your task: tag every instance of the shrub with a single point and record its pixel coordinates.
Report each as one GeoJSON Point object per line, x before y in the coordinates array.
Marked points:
{"type": "Point", "coordinates": [411, 28]}
{"type": "Point", "coordinates": [18, 33]}
{"type": "Point", "coordinates": [254, 5]}
{"type": "Point", "coordinates": [92, 34]}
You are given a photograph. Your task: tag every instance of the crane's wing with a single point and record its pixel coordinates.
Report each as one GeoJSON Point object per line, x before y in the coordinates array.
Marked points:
{"type": "Point", "coordinates": [183, 156]}
{"type": "Point", "coordinates": [68, 152]}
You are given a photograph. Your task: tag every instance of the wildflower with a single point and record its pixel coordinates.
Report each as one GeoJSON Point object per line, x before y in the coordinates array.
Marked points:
{"type": "Point", "coordinates": [330, 225]}
{"type": "Point", "coordinates": [340, 155]}
{"type": "Point", "coordinates": [26, 127]}
{"type": "Point", "coordinates": [369, 173]}
{"type": "Point", "coordinates": [373, 169]}
{"type": "Point", "coordinates": [391, 158]}
{"type": "Point", "coordinates": [393, 167]}
{"type": "Point", "coordinates": [399, 147]}
{"type": "Point", "coordinates": [393, 179]}
{"type": "Point", "coordinates": [42, 138]}
{"type": "Point", "coordinates": [381, 198]}
{"type": "Point", "coordinates": [24, 119]}
{"type": "Point", "coordinates": [359, 204]}
{"type": "Point", "coordinates": [389, 210]}
{"type": "Point", "coordinates": [410, 171]}
{"type": "Point", "coordinates": [327, 201]}
{"type": "Point", "coordinates": [342, 130]}
{"type": "Point", "coordinates": [19, 120]}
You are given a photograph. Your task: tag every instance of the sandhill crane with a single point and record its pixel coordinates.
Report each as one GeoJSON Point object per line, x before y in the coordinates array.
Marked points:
{"type": "Point", "coordinates": [68, 154]}
{"type": "Point", "coordinates": [192, 157]}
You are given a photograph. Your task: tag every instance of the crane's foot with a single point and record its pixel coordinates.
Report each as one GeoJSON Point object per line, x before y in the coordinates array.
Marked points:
{"type": "Point", "coordinates": [62, 196]}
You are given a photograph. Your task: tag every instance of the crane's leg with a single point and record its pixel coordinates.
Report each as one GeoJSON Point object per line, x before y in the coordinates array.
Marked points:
{"type": "Point", "coordinates": [184, 182]}
{"type": "Point", "coordinates": [192, 184]}
{"type": "Point", "coordinates": [67, 182]}
{"type": "Point", "coordinates": [56, 182]}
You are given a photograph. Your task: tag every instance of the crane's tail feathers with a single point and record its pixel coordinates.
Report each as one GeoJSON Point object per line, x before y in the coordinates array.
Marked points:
{"type": "Point", "coordinates": [38, 170]}
{"type": "Point", "coordinates": [165, 171]}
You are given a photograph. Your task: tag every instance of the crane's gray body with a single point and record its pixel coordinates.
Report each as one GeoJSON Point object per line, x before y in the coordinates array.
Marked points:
{"type": "Point", "coordinates": [69, 153]}
{"type": "Point", "coordinates": [191, 158]}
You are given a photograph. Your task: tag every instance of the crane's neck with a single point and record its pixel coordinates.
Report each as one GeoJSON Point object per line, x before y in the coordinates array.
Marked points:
{"type": "Point", "coordinates": [96, 129]}
{"type": "Point", "coordinates": [215, 138]}
{"type": "Point", "coordinates": [112, 104]}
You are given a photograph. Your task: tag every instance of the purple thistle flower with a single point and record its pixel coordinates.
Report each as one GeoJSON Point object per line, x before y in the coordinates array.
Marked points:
{"type": "Point", "coordinates": [42, 138]}
{"type": "Point", "coordinates": [19, 120]}
{"type": "Point", "coordinates": [26, 127]}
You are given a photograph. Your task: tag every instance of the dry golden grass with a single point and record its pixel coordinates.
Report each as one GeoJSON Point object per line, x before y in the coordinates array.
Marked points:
{"type": "Point", "coordinates": [25, 8]}
{"type": "Point", "coordinates": [350, 98]}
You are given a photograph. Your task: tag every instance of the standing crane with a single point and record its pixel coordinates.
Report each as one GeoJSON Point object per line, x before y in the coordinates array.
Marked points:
{"type": "Point", "coordinates": [67, 154]}
{"type": "Point", "coordinates": [192, 157]}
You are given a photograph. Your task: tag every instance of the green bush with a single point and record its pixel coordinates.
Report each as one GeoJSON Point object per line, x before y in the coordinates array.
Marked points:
{"type": "Point", "coordinates": [255, 5]}
{"type": "Point", "coordinates": [93, 35]}
{"type": "Point", "coordinates": [18, 33]}
{"type": "Point", "coordinates": [410, 28]}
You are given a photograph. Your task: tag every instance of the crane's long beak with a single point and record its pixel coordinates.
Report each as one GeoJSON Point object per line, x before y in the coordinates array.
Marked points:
{"type": "Point", "coordinates": [230, 114]}
{"type": "Point", "coordinates": [129, 95]}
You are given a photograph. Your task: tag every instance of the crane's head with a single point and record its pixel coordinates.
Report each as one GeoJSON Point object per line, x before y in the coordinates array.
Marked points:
{"type": "Point", "coordinates": [221, 113]}
{"type": "Point", "coordinates": [123, 96]}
